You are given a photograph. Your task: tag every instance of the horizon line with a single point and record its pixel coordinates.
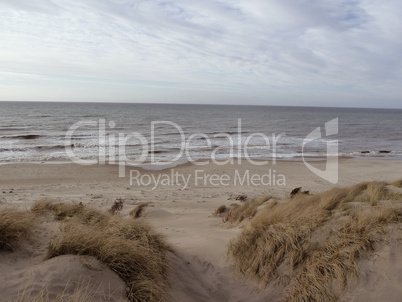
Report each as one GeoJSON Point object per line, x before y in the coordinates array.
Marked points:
{"type": "Point", "coordinates": [198, 104]}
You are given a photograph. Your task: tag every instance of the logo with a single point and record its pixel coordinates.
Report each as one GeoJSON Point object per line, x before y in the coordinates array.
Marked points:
{"type": "Point", "coordinates": [235, 146]}
{"type": "Point", "coordinates": [330, 173]}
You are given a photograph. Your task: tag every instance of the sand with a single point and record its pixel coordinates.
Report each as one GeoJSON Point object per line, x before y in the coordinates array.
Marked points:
{"type": "Point", "coordinates": [184, 213]}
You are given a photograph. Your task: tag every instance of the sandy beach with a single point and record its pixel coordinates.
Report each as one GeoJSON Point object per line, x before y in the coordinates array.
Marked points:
{"type": "Point", "coordinates": [200, 151]}
{"type": "Point", "coordinates": [181, 208]}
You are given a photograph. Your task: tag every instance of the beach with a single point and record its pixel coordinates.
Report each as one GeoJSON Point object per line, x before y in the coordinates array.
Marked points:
{"type": "Point", "coordinates": [100, 185]}
{"type": "Point", "coordinates": [200, 151]}
{"type": "Point", "coordinates": [180, 205]}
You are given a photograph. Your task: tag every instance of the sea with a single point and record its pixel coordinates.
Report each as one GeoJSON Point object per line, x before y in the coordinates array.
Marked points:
{"type": "Point", "coordinates": [52, 132]}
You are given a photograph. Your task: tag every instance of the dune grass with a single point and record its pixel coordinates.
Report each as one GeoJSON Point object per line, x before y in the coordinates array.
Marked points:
{"type": "Point", "coordinates": [329, 269]}
{"type": "Point", "coordinates": [312, 244]}
{"type": "Point", "coordinates": [117, 206]}
{"type": "Point", "coordinates": [14, 227]}
{"type": "Point", "coordinates": [60, 209]}
{"type": "Point", "coordinates": [247, 209]}
{"type": "Point", "coordinates": [83, 292]}
{"type": "Point", "coordinates": [220, 210]}
{"type": "Point", "coordinates": [128, 247]}
{"type": "Point", "coordinates": [397, 183]}
{"type": "Point", "coordinates": [136, 212]}
{"type": "Point", "coordinates": [65, 211]}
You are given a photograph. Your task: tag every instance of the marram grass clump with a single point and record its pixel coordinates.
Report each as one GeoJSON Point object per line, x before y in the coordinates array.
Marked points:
{"type": "Point", "coordinates": [311, 244]}
{"type": "Point", "coordinates": [128, 247]}
{"type": "Point", "coordinates": [60, 209]}
{"type": "Point", "coordinates": [84, 291]}
{"type": "Point", "coordinates": [15, 226]}
{"type": "Point", "coordinates": [237, 213]}
{"type": "Point", "coordinates": [220, 210]}
{"type": "Point", "coordinates": [64, 211]}
{"type": "Point", "coordinates": [137, 211]}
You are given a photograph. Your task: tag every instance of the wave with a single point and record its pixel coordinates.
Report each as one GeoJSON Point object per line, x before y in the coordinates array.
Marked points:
{"type": "Point", "coordinates": [30, 148]}
{"type": "Point", "coordinates": [373, 154]}
{"type": "Point", "coordinates": [54, 147]}
{"type": "Point", "coordinates": [157, 152]}
{"type": "Point", "coordinates": [26, 136]}
{"type": "Point", "coordinates": [228, 132]}
{"type": "Point", "coordinates": [12, 149]}
{"type": "Point", "coordinates": [11, 128]}
{"type": "Point", "coordinates": [379, 152]}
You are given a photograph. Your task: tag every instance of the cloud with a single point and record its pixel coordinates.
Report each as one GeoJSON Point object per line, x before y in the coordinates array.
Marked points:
{"type": "Point", "coordinates": [262, 51]}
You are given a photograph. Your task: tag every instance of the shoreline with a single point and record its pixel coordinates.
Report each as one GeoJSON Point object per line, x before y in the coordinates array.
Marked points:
{"type": "Point", "coordinates": [181, 162]}
{"type": "Point", "coordinates": [159, 166]}
{"type": "Point", "coordinates": [295, 172]}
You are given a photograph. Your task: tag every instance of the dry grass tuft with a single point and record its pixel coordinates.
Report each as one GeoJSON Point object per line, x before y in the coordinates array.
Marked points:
{"type": "Point", "coordinates": [219, 211]}
{"type": "Point", "coordinates": [61, 210]}
{"type": "Point", "coordinates": [14, 226]}
{"type": "Point", "coordinates": [376, 191]}
{"type": "Point", "coordinates": [298, 190]}
{"type": "Point", "coordinates": [270, 246]}
{"type": "Point", "coordinates": [116, 207]}
{"type": "Point", "coordinates": [248, 209]}
{"type": "Point", "coordinates": [241, 197]}
{"type": "Point", "coordinates": [128, 247]}
{"type": "Point", "coordinates": [328, 270]}
{"type": "Point", "coordinates": [315, 242]}
{"type": "Point", "coordinates": [83, 292]}
{"type": "Point", "coordinates": [136, 212]}
{"type": "Point", "coordinates": [43, 206]}
{"type": "Point", "coordinates": [64, 211]}
{"type": "Point", "coordinates": [397, 183]}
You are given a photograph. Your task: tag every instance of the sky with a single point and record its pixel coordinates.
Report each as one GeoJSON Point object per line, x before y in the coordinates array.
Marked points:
{"type": "Point", "coordinates": [285, 52]}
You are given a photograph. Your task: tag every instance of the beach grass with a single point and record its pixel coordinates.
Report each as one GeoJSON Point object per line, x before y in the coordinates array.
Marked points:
{"type": "Point", "coordinates": [397, 183]}
{"type": "Point", "coordinates": [220, 210]}
{"type": "Point", "coordinates": [61, 210]}
{"type": "Point", "coordinates": [83, 292]}
{"type": "Point", "coordinates": [15, 226]}
{"type": "Point", "coordinates": [130, 248]}
{"type": "Point", "coordinates": [237, 213]}
{"type": "Point", "coordinates": [136, 212]}
{"type": "Point", "coordinates": [311, 244]}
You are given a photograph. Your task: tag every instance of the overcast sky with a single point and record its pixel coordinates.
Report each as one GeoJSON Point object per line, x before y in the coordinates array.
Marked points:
{"type": "Point", "coordinates": [284, 52]}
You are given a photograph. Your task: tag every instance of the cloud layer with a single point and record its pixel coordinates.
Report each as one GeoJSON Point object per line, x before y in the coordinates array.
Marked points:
{"type": "Point", "coordinates": [326, 53]}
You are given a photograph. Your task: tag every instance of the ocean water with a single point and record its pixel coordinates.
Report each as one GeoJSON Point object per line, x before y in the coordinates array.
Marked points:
{"type": "Point", "coordinates": [39, 132]}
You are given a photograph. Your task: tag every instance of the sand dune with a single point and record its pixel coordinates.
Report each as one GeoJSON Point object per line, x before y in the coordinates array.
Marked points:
{"type": "Point", "coordinates": [200, 268]}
